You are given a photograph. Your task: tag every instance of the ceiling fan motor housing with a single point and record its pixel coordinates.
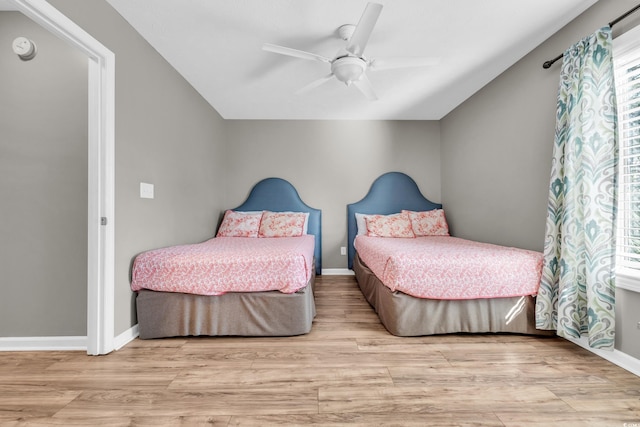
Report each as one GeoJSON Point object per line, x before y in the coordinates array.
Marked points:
{"type": "Point", "coordinates": [346, 31]}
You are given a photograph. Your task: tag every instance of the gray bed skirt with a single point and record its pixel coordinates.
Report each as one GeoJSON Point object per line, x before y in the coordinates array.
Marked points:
{"type": "Point", "coordinates": [404, 315]}
{"type": "Point", "coordinates": [168, 314]}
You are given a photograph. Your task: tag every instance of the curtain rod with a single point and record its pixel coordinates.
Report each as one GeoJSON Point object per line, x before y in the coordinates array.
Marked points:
{"type": "Point", "coordinates": [550, 62]}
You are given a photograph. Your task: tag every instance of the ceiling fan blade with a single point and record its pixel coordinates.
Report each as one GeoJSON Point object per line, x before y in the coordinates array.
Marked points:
{"type": "Point", "coordinates": [391, 63]}
{"type": "Point", "coordinates": [314, 84]}
{"type": "Point", "coordinates": [293, 52]}
{"type": "Point", "coordinates": [360, 36]}
{"type": "Point", "coordinates": [364, 85]}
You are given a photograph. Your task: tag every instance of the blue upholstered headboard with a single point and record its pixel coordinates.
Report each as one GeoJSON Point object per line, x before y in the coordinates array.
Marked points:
{"type": "Point", "coordinates": [278, 195]}
{"type": "Point", "coordinates": [390, 193]}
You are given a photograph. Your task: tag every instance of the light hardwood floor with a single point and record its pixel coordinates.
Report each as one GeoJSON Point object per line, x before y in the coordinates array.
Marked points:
{"type": "Point", "coordinates": [348, 370]}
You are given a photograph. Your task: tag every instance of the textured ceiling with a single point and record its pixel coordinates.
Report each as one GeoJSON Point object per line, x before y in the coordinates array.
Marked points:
{"type": "Point", "coordinates": [217, 46]}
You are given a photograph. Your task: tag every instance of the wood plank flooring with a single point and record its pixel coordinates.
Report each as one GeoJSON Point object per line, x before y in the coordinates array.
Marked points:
{"type": "Point", "coordinates": [348, 371]}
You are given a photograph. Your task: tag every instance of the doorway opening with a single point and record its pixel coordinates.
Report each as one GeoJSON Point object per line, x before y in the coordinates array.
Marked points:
{"type": "Point", "coordinates": [101, 167]}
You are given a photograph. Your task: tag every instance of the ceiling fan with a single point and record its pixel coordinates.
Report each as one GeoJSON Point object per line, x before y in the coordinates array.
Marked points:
{"type": "Point", "coordinates": [349, 65]}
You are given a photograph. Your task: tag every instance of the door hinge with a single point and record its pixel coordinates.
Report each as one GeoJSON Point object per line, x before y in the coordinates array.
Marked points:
{"type": "Point", "coordinates": [103, 220]}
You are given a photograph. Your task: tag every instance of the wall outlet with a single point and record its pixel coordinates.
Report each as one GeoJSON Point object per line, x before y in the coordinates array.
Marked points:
{"type": "Point", "coordinates": [343, 250]}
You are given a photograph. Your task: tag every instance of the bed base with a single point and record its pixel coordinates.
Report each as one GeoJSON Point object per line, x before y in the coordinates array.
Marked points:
{"type": "Point", "coordinates": [168, 314]}
{"type": "Point", "coordinates": [406, 316]}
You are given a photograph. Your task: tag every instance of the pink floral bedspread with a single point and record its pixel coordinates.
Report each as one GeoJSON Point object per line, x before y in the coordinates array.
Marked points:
{"type": "Point", "coordinates": [227, 264]}
{"type": "Point", "coordinates": [444, 267]}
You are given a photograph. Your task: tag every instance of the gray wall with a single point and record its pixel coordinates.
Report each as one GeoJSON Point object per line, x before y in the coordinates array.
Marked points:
{"type": "Point", "coordinates": [167, 135]}
{"type": "Point", "coordinates": [43, 185]}
{"type": "Point", "coordinates": [331, 163]}
{"type": "Point", "coordinates": [627, 321]}
{"type": "Point", "coordinates": [497, 147]}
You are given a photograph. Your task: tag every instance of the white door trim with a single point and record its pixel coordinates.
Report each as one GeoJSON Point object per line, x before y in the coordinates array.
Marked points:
{"type": "Point", "coordinates": [101, 166]}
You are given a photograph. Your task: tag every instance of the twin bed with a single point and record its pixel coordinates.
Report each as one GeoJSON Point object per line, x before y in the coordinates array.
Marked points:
{"type": "Point", "coordinates": [256, 277]}
{"type": "Point", "coordinates": [421, 281]}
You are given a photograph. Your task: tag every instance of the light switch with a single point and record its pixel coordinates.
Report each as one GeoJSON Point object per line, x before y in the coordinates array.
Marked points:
{"type": "Point", "coordinates": [146, 190]}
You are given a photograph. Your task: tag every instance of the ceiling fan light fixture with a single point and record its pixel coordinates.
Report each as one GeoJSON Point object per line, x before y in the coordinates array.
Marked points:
{"type": "Point", "coordinates": [348, 69]}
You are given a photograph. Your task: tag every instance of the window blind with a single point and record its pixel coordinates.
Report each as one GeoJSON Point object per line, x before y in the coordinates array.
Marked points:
{"type": "Point", "coordinates": [627, 74]}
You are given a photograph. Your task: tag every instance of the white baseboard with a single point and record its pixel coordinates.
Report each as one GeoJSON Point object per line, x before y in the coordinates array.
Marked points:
{"type": "Point", "coordinates": [43, 343]}
{"type": "Point", "coordinates": [126, 337]}
{"type": "Point", "coordinates": [337, 272]}
{"type": "Point", "coordinates": [61, 343]}
{"type": "Point", "coordinates": [616, 357]}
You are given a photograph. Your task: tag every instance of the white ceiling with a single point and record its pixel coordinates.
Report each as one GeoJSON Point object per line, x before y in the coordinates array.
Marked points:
{"type": "Point", "coordinates": [217, 46]}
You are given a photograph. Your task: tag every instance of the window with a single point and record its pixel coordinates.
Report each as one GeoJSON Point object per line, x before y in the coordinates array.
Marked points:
{"type": "Point", "coordinates": [626, 56]}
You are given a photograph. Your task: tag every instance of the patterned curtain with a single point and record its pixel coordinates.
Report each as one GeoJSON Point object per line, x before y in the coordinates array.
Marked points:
{"type": "Point", "coordinates": [577, 290]}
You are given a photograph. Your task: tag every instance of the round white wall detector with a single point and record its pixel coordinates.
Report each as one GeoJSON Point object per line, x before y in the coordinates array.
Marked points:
{"type": "Point", "coordinates": [24, 48]}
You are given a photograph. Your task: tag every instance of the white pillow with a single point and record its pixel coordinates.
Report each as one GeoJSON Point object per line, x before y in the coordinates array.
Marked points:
{"type": "Point", "coordinates": [361, 224]}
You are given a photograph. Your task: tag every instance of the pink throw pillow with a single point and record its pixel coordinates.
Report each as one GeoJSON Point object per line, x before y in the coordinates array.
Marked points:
{"type": "Point", "coordinates": [395, 225]}
{"type": "Point", "coordinates": [429, 223]}
{"type": "Point", "coordinates": [240, 224]}
{"type": "Point", "coordinates": [282, 224]}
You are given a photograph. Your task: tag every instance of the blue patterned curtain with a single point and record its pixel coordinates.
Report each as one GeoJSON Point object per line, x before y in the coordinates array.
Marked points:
{"type": "Point", "coordinates": [577, 291]}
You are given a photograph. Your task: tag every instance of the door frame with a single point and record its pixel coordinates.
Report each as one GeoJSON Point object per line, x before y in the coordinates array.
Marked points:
{"type": "Point", "coordinates": [101, 168]}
